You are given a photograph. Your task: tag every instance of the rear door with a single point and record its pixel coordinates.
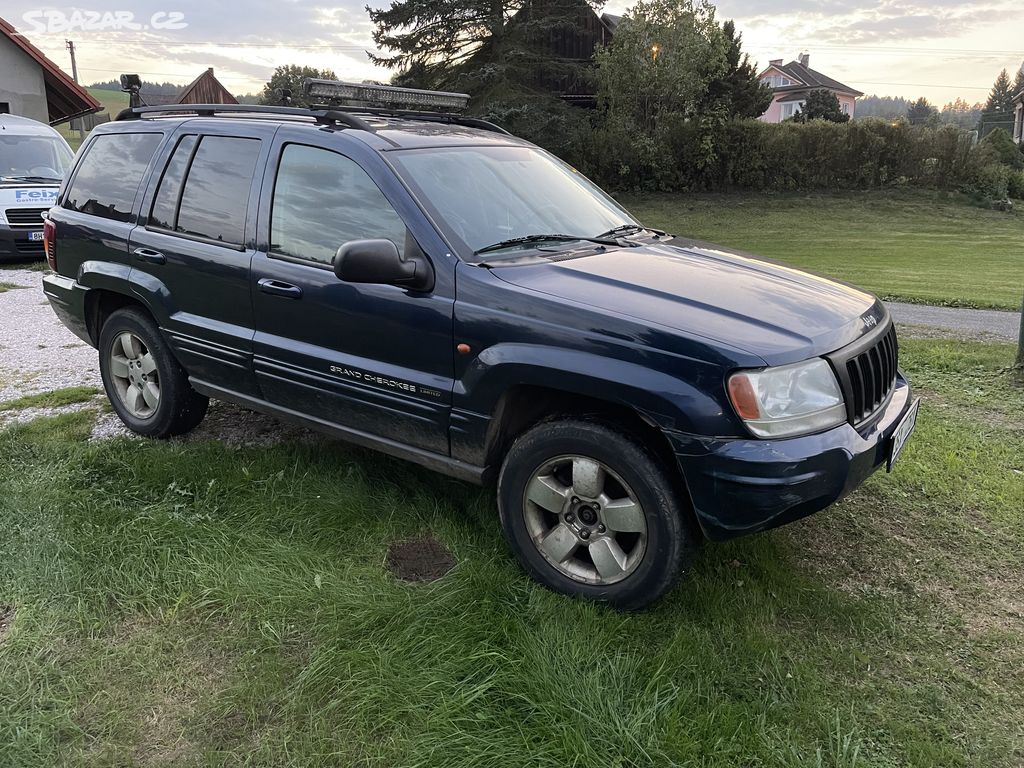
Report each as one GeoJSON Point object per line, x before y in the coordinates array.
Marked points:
{"type": "Point", "coordinates": [193, 250]}
{"type": "Point", "coordinates": [376, 359]}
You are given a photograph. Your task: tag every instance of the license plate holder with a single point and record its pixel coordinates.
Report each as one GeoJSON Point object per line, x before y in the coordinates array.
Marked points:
{"type": "Point", "coordinates": [901, 436]}
{"type": "Point", "coordinates": [35, 237]}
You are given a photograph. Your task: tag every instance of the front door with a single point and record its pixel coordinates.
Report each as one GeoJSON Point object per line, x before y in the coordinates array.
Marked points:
{"type": "Point", "coordinates": [374, 359]}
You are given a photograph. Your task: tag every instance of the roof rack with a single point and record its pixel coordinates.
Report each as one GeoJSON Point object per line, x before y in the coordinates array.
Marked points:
{"type": "Point", "coordinates": [321, 114]}
{"type": "Point", "coordinates": [325, 116]}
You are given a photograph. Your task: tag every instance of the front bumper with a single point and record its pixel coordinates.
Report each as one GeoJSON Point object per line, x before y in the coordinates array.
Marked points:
{"type": "Point", "coordinates": [741, 486]}
{"type": "Point", "coordinates": [15, 245]}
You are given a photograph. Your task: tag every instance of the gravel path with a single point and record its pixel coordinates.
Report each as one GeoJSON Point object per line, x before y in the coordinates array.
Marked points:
{"type": "Point", "coordinates": [38, 354]}
{"type": "Point", "coordinates": [948, 322]}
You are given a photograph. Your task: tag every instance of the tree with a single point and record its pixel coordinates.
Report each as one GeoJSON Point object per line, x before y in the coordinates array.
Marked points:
{"type": "Point", "coordinates": [290, 77]}
{"type": "Point", "coordinates": [1018, 83]}
{"type": "Point", "coordinates": [821, 105]}
{"type": "Point", "coordinates": [998, 111]}
{"type": "Point", "coordinates": [1001, 148]}
{"type": "Point", "coordinates": [961, 114]}
{"type": "Point", "coordinates": [884, 107]}
{"type": "Point", "coordinates": [921, 112]}
{"type": "Point", "coordinates": [739, 91]}
{"type": "Point", "coordinates": [484, 47]}
{"type": "Point", "coordinates": [661, 63]}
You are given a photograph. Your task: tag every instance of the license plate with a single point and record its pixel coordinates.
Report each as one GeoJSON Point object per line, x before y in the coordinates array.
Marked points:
{"type": "Point", "coordinates": [902, 434]}
{"type": "Point", "coordinates": [35, 237]}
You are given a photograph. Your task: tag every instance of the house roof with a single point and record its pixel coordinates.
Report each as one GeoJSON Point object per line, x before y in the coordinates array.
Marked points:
{"type": "Point", "coordinates": [65, 99]}
{"type": "Point", "coordinates": [810, 78]}
{"type": "Point", "coordinates": [206, 89]}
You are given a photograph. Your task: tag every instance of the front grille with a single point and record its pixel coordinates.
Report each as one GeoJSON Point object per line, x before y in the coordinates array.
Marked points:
{"type": "Point", "coordinates": [25, 217]}
{"type": "Point", "coordinates": [867, 373]}
{"type": "Point", "coordinates": [29, 248]}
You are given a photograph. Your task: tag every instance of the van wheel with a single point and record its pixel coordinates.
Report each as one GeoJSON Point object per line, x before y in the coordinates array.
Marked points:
{"type": "Point", "coordinates": [146, 385]}
{"type": "Point", "coordinates": [591, 512]}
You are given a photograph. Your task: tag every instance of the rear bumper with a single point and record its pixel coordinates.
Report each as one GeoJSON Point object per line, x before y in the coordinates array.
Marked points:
{"type": "Point", "coordinates": [15, 245]}
{"type": "Point", "coordinates": [68, 300]}
{"type": "Point", "coordinates": [743, 486]}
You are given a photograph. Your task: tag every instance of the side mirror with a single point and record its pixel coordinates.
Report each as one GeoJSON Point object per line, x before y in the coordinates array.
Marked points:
{"type": "Point", "coordinates": [379, 262]}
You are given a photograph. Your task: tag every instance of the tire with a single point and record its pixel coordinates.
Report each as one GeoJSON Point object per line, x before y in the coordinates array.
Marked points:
{"type": "Point", "coordinates": [630, 499]}
{"type": "Point", "coordinates": [155, 400]}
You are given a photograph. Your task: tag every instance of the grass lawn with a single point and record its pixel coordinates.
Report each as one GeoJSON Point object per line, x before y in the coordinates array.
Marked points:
{"type": "Point", "coordinates": [910, 246]}
{"type": "Point", "coordinates": [173, 604]}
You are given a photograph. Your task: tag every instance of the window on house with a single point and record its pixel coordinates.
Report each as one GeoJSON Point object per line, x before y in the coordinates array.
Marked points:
{"type": "Point", "coordinates": [777, 81]}
{"type": "Point", "coordinates": [790, 108]}
{"type": "Point", "coordinates": [846, 108]}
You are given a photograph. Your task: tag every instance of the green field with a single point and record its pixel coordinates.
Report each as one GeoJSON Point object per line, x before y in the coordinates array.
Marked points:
{"type": "Point", "coordinates": [203, 604]}
{"type": "Point", "coordinates": [113, 102]}
{"type": "Point", "coordinates": [910, 246]}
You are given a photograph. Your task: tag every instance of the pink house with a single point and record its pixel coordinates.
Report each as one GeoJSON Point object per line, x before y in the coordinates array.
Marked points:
{"type": "Point", "coordinates": [791, 84]}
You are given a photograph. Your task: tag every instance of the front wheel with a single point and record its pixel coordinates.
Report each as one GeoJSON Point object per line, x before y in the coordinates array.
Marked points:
{"type": "Point", "coordinates": [589, 511]}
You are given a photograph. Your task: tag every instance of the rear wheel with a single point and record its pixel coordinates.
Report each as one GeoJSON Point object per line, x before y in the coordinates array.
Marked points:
{"type": "Point", "coordinates": [589, 511]}
{"type": "Point", "coordinates": [147, 387]}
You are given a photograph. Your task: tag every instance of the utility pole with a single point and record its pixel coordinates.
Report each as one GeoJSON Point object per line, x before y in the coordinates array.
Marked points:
{"type": "Point", "coordinates": [74, 74]}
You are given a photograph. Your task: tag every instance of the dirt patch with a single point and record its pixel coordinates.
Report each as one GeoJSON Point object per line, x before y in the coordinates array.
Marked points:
{"type": "Point", "coordinates": [6, 621]}
{"type": "Point", "coordinates": [420, 560]}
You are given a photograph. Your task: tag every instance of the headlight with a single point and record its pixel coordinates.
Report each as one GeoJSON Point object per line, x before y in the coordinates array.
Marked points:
{"type": "Point", "coordinates": [788, 400]}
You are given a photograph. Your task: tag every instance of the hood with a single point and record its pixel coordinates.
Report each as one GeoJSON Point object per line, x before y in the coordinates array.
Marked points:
{"type": "Point", "coordinates": [769, 310]}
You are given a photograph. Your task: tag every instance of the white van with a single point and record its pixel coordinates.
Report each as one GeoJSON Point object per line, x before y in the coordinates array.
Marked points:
{"type": "Point", "coordinates": [33, 161]}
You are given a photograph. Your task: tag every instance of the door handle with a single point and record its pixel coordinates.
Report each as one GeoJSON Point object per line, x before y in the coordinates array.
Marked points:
{"type": "Point", "coordinates": [150, 256]}
{"type": "Point", "coordinates": [277, 288]}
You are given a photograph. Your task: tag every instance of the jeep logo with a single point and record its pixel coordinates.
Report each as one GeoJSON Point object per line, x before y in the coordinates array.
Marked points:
{"type": "Point", "coordinates": [870, 321]}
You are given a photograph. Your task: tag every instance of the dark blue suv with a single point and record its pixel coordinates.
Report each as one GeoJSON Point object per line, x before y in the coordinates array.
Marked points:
{"type": "Point", "coordinates": [429, 286]}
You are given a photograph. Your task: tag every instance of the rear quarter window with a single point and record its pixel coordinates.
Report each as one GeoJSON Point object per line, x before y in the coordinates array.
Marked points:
{"type": "Point", "coordinates": [109, 175]}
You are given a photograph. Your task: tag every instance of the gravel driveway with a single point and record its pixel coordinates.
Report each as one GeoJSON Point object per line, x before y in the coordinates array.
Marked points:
{"type": "Point", "coordinates": [38, 354]}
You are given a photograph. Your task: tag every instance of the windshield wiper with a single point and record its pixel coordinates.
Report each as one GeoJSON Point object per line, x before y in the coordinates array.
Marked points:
{"type": "Point", "coordinates": [629, 229]}
{"type": "Point", "coordinates": [545, 238]}
{"type": "Point", "coordinates": [32, 179]}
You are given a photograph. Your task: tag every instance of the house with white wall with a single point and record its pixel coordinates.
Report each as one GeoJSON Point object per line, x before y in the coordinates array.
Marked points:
{"type": "Point", "coordinates": [1018, 118]}
{"type": "Point", "coordinates": [793, 81]}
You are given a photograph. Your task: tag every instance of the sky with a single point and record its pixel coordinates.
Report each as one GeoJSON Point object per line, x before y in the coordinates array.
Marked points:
{"type": "Point", "coordinates": [940, 49]}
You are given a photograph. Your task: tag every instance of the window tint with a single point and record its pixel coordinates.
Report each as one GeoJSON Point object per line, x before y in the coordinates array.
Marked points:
{"type": "Point", "coordinates": [322, 201]}
{"type": "Point", "coordinates": [166, 204]}
{"type": "Point", "coordinates": [109, 175]}
{"type": "Point", "coordinates": [216, 194]}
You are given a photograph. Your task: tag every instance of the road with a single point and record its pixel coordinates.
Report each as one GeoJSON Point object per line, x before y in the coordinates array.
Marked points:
{"type": "Point", "coordinates": [979, 324]}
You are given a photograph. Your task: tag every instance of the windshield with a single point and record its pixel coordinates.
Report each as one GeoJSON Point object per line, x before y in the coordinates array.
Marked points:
{"type": "Point", "coordinates": [33, 157]}
{"type": "Point", "coordinates": [487, 195]}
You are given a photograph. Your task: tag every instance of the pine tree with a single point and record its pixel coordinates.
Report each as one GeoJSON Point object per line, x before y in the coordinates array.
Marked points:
{"type": "Point", "coordinates": [1018, 83]}
{"type": "Point", "coordinates": [921, 112]}
{"type": "Point", "coordinates": [998, 112]}
{"type": "Point", "coordinates": [481, 46]}
{"type": "Point", "coordinates": [740, 91]}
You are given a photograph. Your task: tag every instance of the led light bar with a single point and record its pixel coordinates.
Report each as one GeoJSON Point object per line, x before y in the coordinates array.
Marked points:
{"type": "Point", "coordinates": [387, 95]}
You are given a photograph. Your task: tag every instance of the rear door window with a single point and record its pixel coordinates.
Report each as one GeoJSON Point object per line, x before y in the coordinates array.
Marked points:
{"type": "Point", "coordinates": [109, 175]}
{"type": "Point", "coordinates": [215, 200]}
{"type": "Point", "coordinates": [204, 192]}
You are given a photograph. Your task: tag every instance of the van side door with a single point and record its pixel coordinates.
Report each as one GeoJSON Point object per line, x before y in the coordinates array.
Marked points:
{"type": "Point", "coordinates": [194, 246]}
{"type": "Point", "coordinates": [372, 359]}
